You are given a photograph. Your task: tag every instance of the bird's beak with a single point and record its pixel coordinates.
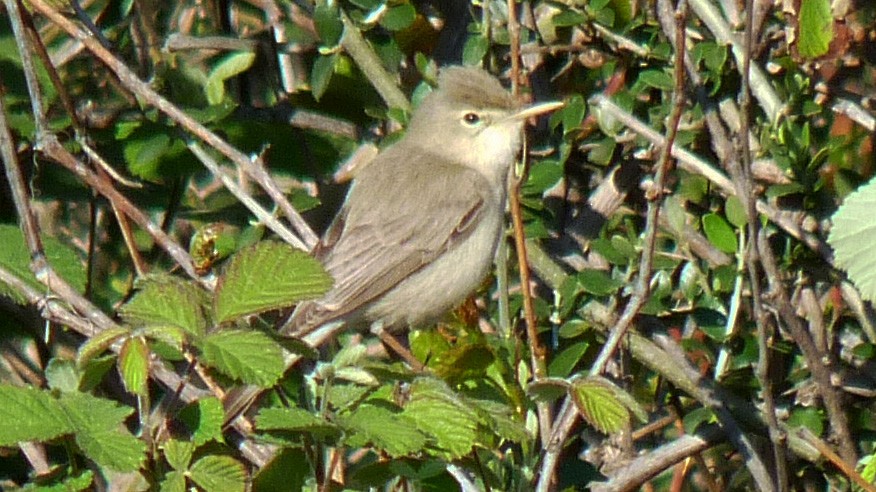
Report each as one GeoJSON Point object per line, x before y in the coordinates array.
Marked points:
{"type": "Point", "coordinates": [534, 110]}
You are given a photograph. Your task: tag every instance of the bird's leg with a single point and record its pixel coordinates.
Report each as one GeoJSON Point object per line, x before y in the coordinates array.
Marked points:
{"type": "Point", "coordinates": [394, 345]}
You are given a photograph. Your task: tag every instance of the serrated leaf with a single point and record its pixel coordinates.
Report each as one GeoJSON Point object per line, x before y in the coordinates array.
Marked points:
{"type": "Point", "coordinates": [548, 389]}
{"type": "Point", "coordinates": [230, 66]}
{"type": "Point", "coordinates": [350, 355]}
{"type": "Point", "coordinates": [81, 482]}
{"type": "Point", "coordinates": [357, 375]}
{"type": "Point", "coordinates": [98, 427]}
{"type": "Point", "coordinates": [94, 371]}
{"type": "Point", "coordinates": [853, 232]}
{"type": "Point", "coordinates": [174, 481]}
{"type": "Point", "coordinates": [171, 335]}
{"type": "Point", "coordinates": [442, 415]}
{"type": "Point", "coordinates": [134, 365]}
{"type": "Point", "coordinates": [463, 362]}
{"type": "Point", "coordinates": [178, 453]}
{"type": "Point", "coordinates": [384, 429]}
{"type": "Point", "coordinates": [219, 474]}
{"type": "Point", "coordinates": [62, 375]}
{"type": "Point", "coordinates": [268, 275]}
{"type": "Point", "coordinates": [97, 344]}
{"type": "Point", "coordinates": [598, 405]}
{"type": "Point", "coordinates": [28, 414]}
{"type": "Point", "coordinates": [292, 418]}
{"type": "Point", "coordinates": [15, 257]}
{"type": "Point", "coordinates": [204, 419]}
{"type": "Point", "coordinates": [719, 233]}
{"type": "Point", "coordinates": [250, 356]}
{"type": "Point", "coordinates": [321, 74]}
{"type": "Point", "coordinates": [815, 28]}
{"type": "Point", "coordinates": [165, 300]}
{"type": "Point", "coordinates": [503, 420]}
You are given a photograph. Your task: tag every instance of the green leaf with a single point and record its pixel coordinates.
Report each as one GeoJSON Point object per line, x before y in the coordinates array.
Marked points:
{"type": "Point", "coordinates": [810, 418]}
{"type": "Point", "coordinates": [28, 414]}
{"type": "Point", "coordinates": [294, 419]}
{"type": "Point", "coordinates": [735, 212]}
{"type": "Point", "coordinates": [568, 18]}
{"type": "Point", "coordinates": [99, 343]}
{"type": "Point", "coordinates": [463, 362]}
{"type": "Point", "coordinates": [399, 17]}
{"type": "Point", "coordinates": [816, 28]}
{"type": "Point", "coordinates": [268, 275]}
{"type": "Point", "coordinates": [229, 66]}
{"type": "Point", "coordinates": [719, 233]}
{"type": "Point", "coordinates": [100, 433]}
{"type": "Point", "coordinates": [204, 419]}
{"type": "Point", "coordinates": [174, 481]}
{"type": "Point", "coordinates": [441, 414]}
{"type": "Point", "coordinates": [597, 404]}
{"type": "Point", "coordinates": [475, 49]}
{"type": "Point", "coordinates": [15, 257]}
{"type": "Point", "coordinates": [134, 365]}
{"type": "Point", "coordinates": [219, 474]}
{"type": "Point", "coordinates": [250, 356]}
{"type": "Point", "coordinates": [548, 389]}
{"type": "Point", "coordinates": [384, 430]}
{"type": "Point", "coordinates": [166, 300]}
{"type": "Point", "coordinates": [598, 283]}
{"type": "Point", "coordinates": [561, 366]}
{"type": "Point", "coordinates": [852, 234]}
{"type": "Point", "coordinates": [657, 79]}
{"type": "Point", "coordinates": [321, 75]}
{"type": "Point", "coordinates": [62, 375]}
{"type": "Point", "coordinates": [178, 453]}
{"type": "Point", "coordinates": [327, 21]}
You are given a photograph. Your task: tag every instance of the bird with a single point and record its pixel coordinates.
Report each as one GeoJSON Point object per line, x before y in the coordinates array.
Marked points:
{"type": "Point", "coordinates": [418, 230]}
{"type": "Point", "coordinates": [420, 224]}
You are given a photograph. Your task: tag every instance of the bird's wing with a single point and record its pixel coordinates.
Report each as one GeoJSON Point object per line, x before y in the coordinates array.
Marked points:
{"type": "Point", "coordinates": [368, 250]}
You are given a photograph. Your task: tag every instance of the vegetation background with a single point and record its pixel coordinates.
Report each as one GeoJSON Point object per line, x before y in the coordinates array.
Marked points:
{"type": "Point", "coordinates": [668, 320]}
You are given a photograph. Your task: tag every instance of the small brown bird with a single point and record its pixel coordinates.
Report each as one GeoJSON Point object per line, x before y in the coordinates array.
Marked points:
{"type": "Point", "coordinates": [418, 230]}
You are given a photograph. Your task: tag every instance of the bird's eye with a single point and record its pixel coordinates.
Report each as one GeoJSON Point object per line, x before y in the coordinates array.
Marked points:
{"type": "Point", "coordinates": [471, 119]}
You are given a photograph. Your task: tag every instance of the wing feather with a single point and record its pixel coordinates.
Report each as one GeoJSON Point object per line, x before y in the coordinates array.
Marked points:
{"type": "Point", "coordinates": [372, 248]}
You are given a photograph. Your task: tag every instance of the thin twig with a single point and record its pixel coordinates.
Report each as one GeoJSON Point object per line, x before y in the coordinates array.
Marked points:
{"type": "Point", "coordinates": [655, 196]}
{"type": "Point", "coordinates": [142, 89]}
{"type": "Point", "coordinates": [368, 61]}
{"type": "Point", "coordinates": [241, 194]}
{"type": "Point", "coordinates": [745, 192]}
{"type": "Point", "coordinates": [831, 456]}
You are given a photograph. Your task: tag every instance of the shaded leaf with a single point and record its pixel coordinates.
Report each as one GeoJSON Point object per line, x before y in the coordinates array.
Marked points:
{"type": "Point", "coordinates": [15, 257]}
{"type": "Point", "coordinates": [230, 66]}
{"type": "Point", "coordinates": [204, 419]}
{"type": "Point", "coordinates": [219, 474]}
